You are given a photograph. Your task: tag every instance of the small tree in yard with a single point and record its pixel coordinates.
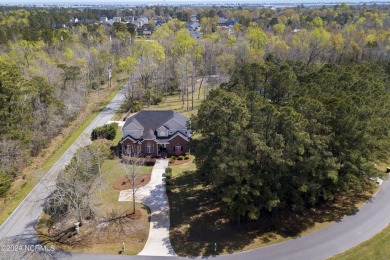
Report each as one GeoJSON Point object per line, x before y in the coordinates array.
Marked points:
{"type": "Point", "coordinates": [77, 183]}
{"type": "Point", "coordinates": [106, 131]}
{"type": "Point", "coordinates": [132, 164]}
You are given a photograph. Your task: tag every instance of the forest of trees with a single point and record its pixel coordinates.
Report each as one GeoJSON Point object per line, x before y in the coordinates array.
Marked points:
{"type": "Point", "coordinates": [49, 64]}
{"type": "Point", "coordinates": [290, 136]}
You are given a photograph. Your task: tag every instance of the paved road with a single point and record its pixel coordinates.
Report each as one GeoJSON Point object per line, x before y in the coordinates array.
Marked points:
{"type": "Point", "coordinates": [19, 228]}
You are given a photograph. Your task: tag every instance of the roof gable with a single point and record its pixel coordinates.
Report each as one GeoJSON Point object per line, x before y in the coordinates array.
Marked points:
{"type": "Point", "coordinates": [133, 121]}
{"type": "Point", "coordinates": [130, 138]}
{"type": "Point", "coordinates": [178, 134]}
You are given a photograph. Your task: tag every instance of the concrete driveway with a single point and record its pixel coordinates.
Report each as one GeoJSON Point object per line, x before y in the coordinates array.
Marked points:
{"type": "Point", "coordinates": [155, 197]}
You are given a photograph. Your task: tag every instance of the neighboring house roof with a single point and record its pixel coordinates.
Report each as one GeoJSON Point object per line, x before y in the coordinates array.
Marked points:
{"type": "Point", "coordinates": [151, 120]}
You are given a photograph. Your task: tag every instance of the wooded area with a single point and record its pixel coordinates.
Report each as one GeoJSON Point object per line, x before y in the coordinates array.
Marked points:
{"type": "Point", "coordinates": [325, 60]}
{"type": "Point", "coordinates": [292, 136]}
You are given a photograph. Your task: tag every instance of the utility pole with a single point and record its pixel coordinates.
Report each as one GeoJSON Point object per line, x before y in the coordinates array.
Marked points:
{"type": "Point", "coordinates": [109, 75]}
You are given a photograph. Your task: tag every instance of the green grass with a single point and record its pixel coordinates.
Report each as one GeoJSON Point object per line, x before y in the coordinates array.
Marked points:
{"type": "Point", "coordinates": [118, 136]}
{"type": "Point", "coordinates": [111, 171]}
{"type": "Point", "coordinates": [375, 248]}
{"type": "Point", "coordinates": [17, 198]}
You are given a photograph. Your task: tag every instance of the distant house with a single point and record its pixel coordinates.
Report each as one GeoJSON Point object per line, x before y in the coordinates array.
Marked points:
{"type": "Point", "coordinates": [223, 21]}
{"type": "Point", "coordinates": [156, 133]}
{"type": "Point", "coordinates": [147, 32]}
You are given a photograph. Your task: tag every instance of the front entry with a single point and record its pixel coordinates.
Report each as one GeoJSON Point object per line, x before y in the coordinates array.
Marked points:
{"type": "Point", "coordinates": [162, 148]}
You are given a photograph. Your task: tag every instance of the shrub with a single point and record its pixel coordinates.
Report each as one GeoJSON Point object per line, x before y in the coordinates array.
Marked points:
{"type": "Point", "coordinates": [173, 158]}
{"type": "Point", "coordinates": [156, 100]}
{"type": "Point", "coordinates": [70, 234]}
{"type": "Point", "coordinates": [186, 157]}
{"type": "Point", "coordinates": [149, 161]}
{"type": "Point", "coordinates": [180, 158]}
{"type": "Point", "coordinates": [136, 106]}
{"type": "Point", "coordinates": [106, 131]}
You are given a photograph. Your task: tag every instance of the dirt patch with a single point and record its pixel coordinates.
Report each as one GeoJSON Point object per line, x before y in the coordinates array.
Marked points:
{"type": "Point", "coordinates": [123, 182]}
{"type": "Point", "coordinates": [136, 215]}
{"type": "Point", "coordinates": [100, 235]}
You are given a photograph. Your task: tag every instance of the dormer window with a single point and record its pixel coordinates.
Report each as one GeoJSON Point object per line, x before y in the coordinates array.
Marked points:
{"type": "Point", "coordinates": [163, 133]}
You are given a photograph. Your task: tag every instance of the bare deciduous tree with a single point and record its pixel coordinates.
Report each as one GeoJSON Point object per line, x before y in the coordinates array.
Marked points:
{"type": "Point", "coordinates": [132, 164]}
{"type": "Point", "coordinates": [77, 183]}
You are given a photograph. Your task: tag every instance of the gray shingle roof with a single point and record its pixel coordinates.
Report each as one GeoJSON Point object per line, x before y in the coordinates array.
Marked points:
{"type": "Point", "coordinates": [132, 120]}
{"type": "Point", "coordinates": [151, 120]}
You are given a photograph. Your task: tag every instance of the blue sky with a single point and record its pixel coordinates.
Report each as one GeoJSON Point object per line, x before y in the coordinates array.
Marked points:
{"type": "Point", "coordinates": [172, 1]}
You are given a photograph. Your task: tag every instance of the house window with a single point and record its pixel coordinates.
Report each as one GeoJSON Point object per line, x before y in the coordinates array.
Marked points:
{"type": "Point", "coordinates": [163, 133]}
{"type": "Point", "coordinates": [178, 148]}
{"type": "Point", "coordinates": [148, 148]}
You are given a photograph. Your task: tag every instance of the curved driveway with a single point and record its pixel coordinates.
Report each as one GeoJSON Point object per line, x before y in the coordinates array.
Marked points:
{"type": "Point", "coordinates": [155, 197]}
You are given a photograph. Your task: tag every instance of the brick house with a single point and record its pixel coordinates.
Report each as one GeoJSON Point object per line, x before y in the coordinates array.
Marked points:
{"type": "Point", "coordinates": [155, 133]}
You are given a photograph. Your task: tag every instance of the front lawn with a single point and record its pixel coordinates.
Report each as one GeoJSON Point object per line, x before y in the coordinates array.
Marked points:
{"type": "Point", "coordinates": [112, 224]}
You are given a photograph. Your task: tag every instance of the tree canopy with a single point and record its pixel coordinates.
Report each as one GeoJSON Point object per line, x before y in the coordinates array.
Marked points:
{"type": "Point", "coordinates": [284, 136]}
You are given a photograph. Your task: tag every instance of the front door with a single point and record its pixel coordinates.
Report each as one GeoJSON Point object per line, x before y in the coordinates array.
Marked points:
{"type": "Point", "coordinates": [162, 148]}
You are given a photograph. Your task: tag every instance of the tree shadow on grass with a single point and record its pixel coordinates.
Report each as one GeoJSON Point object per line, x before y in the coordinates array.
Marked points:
{"type": "Point", "coordinates": [199, 227]}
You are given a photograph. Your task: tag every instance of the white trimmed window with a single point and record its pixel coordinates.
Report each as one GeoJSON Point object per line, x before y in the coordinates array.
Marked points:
{"type": "Point", "coordinates": [148, 148]}
{"type": "Point", "coordinates": [178, 148]}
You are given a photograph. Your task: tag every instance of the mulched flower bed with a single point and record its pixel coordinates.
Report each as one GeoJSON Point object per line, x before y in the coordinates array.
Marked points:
{"type": "Point", "coordinates": [123, 182]}
{"type": "Point", "coordinates": [136, 215]}
{"type": "Point", "coordinates": [178, 162]}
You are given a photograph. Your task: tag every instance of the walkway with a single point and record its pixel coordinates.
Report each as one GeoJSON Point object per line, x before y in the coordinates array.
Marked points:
{"type": "Point", "coordinates": [155, 197]}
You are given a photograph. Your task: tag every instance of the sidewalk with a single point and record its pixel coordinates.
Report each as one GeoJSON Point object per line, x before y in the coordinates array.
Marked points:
{"type": "Point", "coordinates": [155, 197]}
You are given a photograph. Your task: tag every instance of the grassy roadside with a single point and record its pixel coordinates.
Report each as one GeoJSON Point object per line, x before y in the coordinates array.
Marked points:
{"type": "Point", "coordinates": [375, 248]}
{"type": "Point", "coordinates": [31, 176]}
